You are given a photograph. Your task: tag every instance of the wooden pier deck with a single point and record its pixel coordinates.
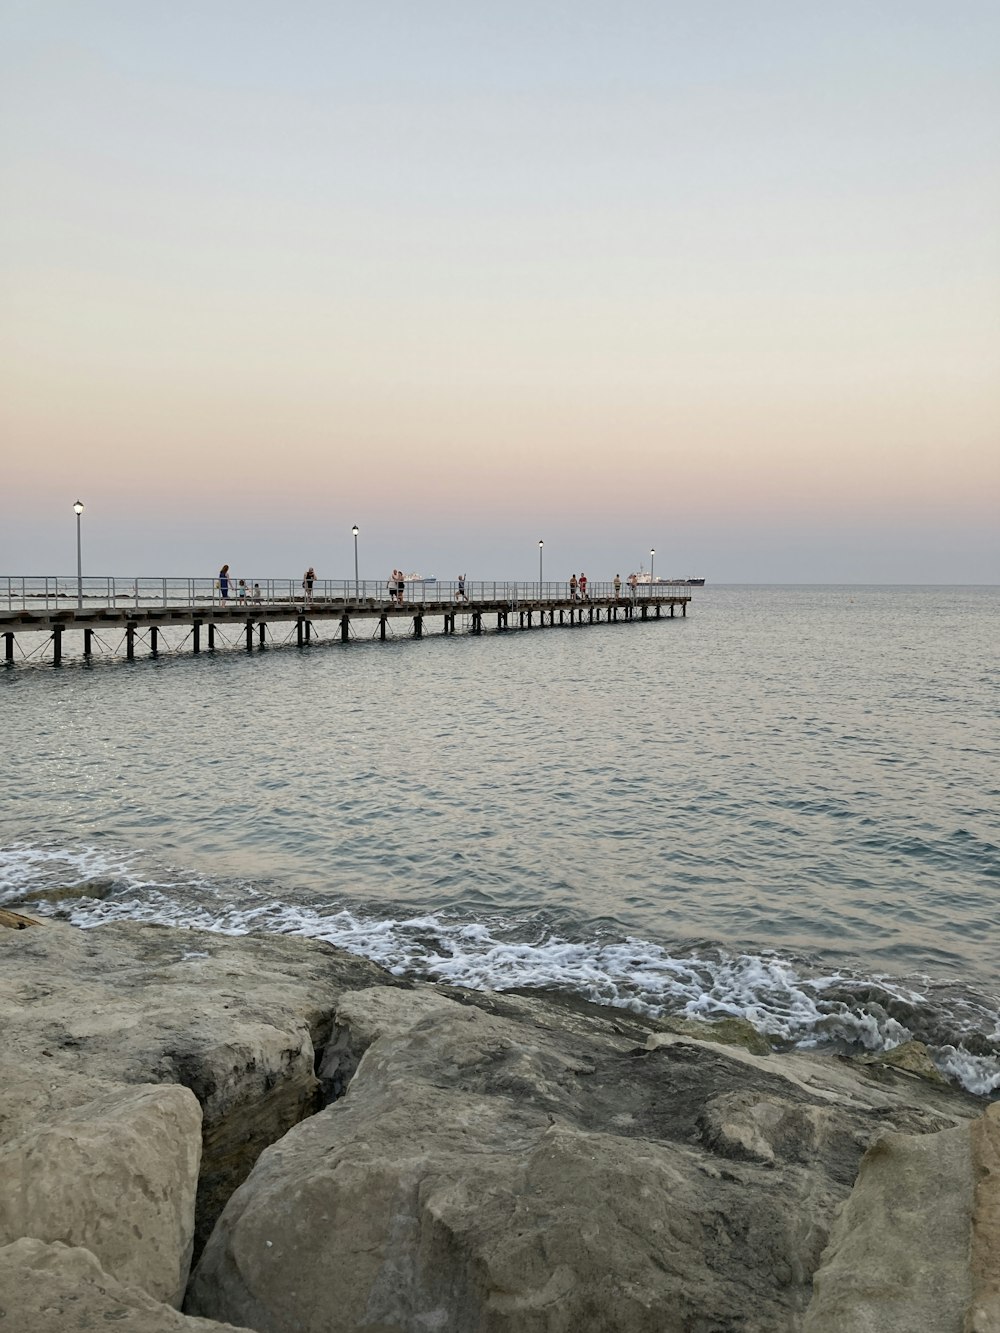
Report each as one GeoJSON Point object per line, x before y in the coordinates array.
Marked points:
{"type": "Point", "coordinates": [82, 630]}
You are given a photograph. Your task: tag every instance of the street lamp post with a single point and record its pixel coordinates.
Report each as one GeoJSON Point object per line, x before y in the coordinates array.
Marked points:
{"type": "Point", "coordinates": [354, 531]}
{"type": "Point", "coordinates": [652, 563]}
{"type": "Point", "coordinates": [540, 545]}
{"type": "Point", "coordinates": [78, 510]}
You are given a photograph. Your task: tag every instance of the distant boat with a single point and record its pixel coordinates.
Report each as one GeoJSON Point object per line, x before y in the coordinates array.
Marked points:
{"type": "Point", "coordinates": [646, 578]}
{"type": "Point", "coordinates": [419, 578]}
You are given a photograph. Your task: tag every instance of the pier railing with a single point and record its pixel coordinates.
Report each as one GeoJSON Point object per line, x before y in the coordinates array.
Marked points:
{"type": "Point", "coordinates": [92, 592]}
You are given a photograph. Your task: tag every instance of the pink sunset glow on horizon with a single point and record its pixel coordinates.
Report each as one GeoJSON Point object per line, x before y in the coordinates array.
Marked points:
{"type": "Point", "coordinates": [720, 282]}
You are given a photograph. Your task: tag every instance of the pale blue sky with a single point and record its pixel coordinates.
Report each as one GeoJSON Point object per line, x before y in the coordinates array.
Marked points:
{"type": "Point", "coordinates": [720, 278]}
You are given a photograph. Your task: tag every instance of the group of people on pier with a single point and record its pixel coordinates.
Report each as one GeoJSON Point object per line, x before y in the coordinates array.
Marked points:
{"type": "Point", "coordinates": [578, 586]}
{"type": "Point", "coordinates": [241, 592]}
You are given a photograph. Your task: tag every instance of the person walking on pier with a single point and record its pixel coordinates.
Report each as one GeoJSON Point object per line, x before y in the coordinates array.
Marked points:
{"type": "Point", "coordinates": [618, 585]}
{"type": "Point", "coordinates": [224, 583]}
{"type": "Point", "coordinates": [572, 587]}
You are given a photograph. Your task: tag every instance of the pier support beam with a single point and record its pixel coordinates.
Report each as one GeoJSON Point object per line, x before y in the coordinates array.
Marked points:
{"type": "Point", "coordinates": [300, 634]}
{"type": "Point", "coordinates": [249, 636]}
{"type": "Point", "coordinates": [130, 643]}
{"type": "Point", "coordinates": [211, 638]}
{"type": "Point", "coordinates": [8, 648]}
{"type": "Point", "coordinates": [57, 645]}
{"type": "Point", "coordinates": [383, 620]}
{"type": "Point", "coordinates": [196, 637]}
{"type": "Point", "coordinates": [262, 635]}
{"type": "Point", "coordinates": [477, 622]}
{"type": "Point", "coordinates": [418, 626]}
{"type": "Point", "coordinates": [154, 641]}
{"type": "Point", "coordinates": [345, 628]}
{"type": "Point", "coordinates": [88, 642]}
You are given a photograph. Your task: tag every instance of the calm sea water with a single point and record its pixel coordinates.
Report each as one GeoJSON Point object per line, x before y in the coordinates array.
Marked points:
{"type": "Point", "coordinates": [785, 806]}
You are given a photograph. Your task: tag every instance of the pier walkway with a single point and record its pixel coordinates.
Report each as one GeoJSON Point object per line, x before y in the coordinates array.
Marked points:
{"type": "Point", "coordinates": [117, 617]}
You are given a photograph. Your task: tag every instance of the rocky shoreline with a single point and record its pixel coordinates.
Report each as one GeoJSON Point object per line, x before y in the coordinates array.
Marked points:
{"type": "Point", "coordinates": [268, 1133]}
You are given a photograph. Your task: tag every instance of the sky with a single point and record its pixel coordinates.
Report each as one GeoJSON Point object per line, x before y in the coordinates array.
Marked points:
{"type": "Point", "coordinates": [719, 279]}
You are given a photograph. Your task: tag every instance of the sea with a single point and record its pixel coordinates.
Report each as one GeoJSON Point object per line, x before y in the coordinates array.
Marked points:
{"type": "Point", "coordinates": [784, 806]}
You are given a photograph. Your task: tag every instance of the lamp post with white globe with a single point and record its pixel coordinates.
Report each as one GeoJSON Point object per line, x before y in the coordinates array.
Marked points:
{"type": "Point", "coordinates": [354, 533]}
{"type": "Point", "coordinates": [540, 545]}
{"type": "Point", "coordinates": [78, 510]}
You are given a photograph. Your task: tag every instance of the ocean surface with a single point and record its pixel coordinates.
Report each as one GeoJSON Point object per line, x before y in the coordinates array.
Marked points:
{"type": "Point", "coordinates": [785, 806]}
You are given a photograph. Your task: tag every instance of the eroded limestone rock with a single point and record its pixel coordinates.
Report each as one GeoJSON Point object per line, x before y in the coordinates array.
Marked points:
{"type": "Point", "coordinates": [117, 1176]}
{"type": "Point", "coordinates": [506, 1165]}
{"type": "Point", "coordinates": [236, 1020]}
{"type": "Point", "coordinates": [58, 1289]}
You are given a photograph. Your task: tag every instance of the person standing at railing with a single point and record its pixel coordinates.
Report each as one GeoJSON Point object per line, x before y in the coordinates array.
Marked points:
{"type": "Point", "coordinates": [583, 586]}
{"type": "Point", "coordinates": [461, 588]}
{"type": "Point", "coordinates": [224, 583]}
{"type": "Point", "coordinates": [308, 579]}
{"type": "Point", "coordinates": [618, 586]}
{"type": "Point", "coordinates": [572, 587]}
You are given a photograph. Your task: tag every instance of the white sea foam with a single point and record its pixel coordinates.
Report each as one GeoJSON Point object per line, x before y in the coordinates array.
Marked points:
{"type": "Point", "coordinates": [25, 867]}
{"type": "Point", "coordinates": [977, 1073]}
{"type": "Point", "coordinates": [776, 995]}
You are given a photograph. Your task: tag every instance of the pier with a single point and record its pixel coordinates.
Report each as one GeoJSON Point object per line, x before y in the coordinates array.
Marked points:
{"type": "Point", "coordinates": [126, 618]}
